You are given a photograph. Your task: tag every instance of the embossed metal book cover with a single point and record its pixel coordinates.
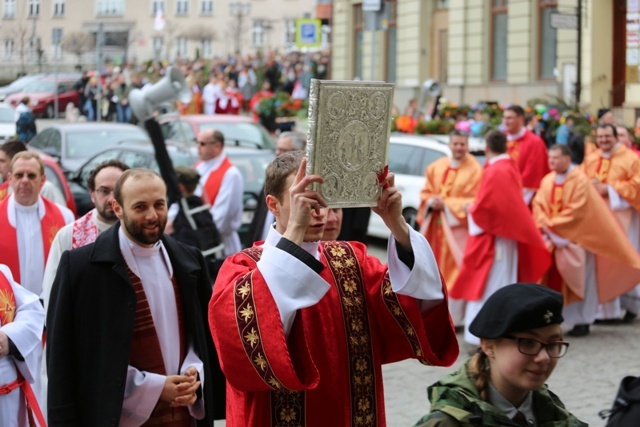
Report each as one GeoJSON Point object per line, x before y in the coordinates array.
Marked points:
{"type": "Point", "coordinates": [348, 139]}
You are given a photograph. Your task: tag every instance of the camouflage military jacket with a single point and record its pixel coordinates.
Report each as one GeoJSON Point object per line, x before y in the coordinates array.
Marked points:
{"type": "Point", "coordinates": [455, 402]}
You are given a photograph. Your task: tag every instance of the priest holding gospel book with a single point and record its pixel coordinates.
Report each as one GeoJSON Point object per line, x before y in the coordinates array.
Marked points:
{"type": "Point", "coordinates": [303, 325]}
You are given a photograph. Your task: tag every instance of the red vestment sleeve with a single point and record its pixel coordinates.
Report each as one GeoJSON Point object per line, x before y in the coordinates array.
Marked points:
{"type": "Point", "coordinates": [533, 160]}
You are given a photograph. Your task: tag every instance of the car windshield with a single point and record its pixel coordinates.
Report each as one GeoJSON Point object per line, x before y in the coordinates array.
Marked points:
{"type": "Point", "coordinates": [23, 81]}
{"type": "Point", "coordinates": [40, 86]}
{"type": "Point", "coordinates": [242, 134]}
{"type": "Point", "coordinates": [252, 167]}
{"type": "Point", "coordinates": [81, 145]}
{"type": "Point", "coordinates": [7, 115]}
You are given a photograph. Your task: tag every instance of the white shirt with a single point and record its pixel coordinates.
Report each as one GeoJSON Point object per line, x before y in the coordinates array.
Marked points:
{"type": "Point", "coordinates": [228, 206]}
{"type": "Point", "coordinates": [26, 333]}
{"type": "Point", "coordinates": [294, 285]}
{"type": "Point", "coordinates": [143, 389]}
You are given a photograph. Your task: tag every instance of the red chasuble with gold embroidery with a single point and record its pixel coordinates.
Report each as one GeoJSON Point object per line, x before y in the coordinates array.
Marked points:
{"type": "Point", "coordinates": [500, 211]}
{"type": "Point", "coordinates": [52, 221]}
{"type": "Point", "coordinates": [327, 372]}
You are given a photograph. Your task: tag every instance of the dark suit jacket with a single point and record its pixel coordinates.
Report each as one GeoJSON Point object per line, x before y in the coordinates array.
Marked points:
{"type": "Point", "coordinates": [90, 323]}
{"type": "Point", "coordinates": [257, 224]}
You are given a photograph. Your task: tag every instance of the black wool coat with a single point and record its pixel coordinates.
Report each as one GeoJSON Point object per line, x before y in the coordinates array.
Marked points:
{"type": "Point", "coordinates": [90, 323]}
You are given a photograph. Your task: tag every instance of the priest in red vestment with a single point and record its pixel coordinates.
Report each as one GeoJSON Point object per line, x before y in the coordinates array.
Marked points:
{"type": "Point", "coordinates": [527, 149]}
{"type": "Point", "coordinates": [302, 327]}
{"type": "Point", "coordinates": [504, 244]}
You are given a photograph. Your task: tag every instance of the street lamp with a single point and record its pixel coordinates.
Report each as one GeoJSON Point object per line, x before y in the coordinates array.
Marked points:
{"type": "Point", "coordinates": [239, 10]}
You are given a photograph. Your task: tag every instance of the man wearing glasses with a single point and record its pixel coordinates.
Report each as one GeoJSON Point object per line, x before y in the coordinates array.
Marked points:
{"type": "Point", "coordinates": [222, 186]}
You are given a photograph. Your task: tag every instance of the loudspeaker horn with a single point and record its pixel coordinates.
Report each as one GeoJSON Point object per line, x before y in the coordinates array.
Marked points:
{"type": "Point", "coordinates": [173, 86]}
{"type": "Point", "coordinates": [432, 87]}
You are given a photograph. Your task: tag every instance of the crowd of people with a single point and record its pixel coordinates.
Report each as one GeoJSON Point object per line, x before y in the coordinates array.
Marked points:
{"type": "Point", "coordinates": [294, 329]}
{"type": "Point", "coordinates": [232, 85]}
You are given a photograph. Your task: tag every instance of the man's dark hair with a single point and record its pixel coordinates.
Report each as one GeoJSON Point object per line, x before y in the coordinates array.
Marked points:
{"type": "Point", "coordinates": [279, 170]}
{"type": "Point", "coordinates": [528, 117]}
{"type": "Point", "coordinates": [112, 163]}
{"type": "Point", "coordinates": [135, 173]}
{"type": "Point", "coordinates": [610, 126]}
{"type": "Point", "coordinates": [516, 109]}
{"type": "Point", "coordinates": [13, 147]}
{"type": "Point", "coordinates": [496, 141]}
{"type": "Point", "coordinates": [218, 136]}
{"type": "Point", "coordinates": [563, 148]}
{"type": "Point", "coordinates": [458, 132]}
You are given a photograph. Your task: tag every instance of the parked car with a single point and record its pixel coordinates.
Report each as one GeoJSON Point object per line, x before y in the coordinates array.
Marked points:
{"type": "Point", "coordinates": [42, 94]}
{"type": "Point", "coordinates": [252, 163]}
{"type": "Point", "coordinates": [7, 123]}
{"type": "Point", "coordinates": [20, 83]}
{"type": "Point", "coordinates": [74, 143]}
{"type": "Point", "coordinates": [237, 130]}
{"type": "Point", "coordinates": [55, 175]}
{"type": "Point", "coordinates": [409, 156]}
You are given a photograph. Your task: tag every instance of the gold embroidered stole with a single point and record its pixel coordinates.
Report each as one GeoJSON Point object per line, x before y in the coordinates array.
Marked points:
{"type": "Point", "coordinates": [447, 181]}
{"type": "Point", "coordinates": [556, 199]}
{"type": "Point", "coordinates": [602, 171]}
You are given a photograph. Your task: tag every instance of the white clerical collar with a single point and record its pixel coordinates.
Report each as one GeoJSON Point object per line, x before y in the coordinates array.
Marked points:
{"type": "Point", "coordinates": [497, 158]}
{"type": "Point", "coordinates": [608, 154]}
{"type": "Point", "coordinates": [517, 136]}
{"type": "Point", "coordinates": [561, 177]}
{"type": "Point", "coordinates": [131, 251]}
{"type": "Point", "coordinates": [274, 236]}
{"type": "Point", "coordinates": [504, 406]}
{"type": "Point", "coordinates": [455, 164]}
{"type": "Point", "coordinates": [215, 162]}
{"type": "Point", "coordinates": [102, 226]}
{"type": "Point", "coordinates": [13, 207]}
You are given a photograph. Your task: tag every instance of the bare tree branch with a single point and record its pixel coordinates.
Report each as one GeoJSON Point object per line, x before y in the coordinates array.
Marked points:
{"type": "Point", "coordinates": [78, 43]}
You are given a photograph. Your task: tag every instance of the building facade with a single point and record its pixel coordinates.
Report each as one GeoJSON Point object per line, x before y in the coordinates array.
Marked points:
{"type": "Point", "coordinates": [508, 51]}
{"type": "Point", "coordinates": [142, 29]}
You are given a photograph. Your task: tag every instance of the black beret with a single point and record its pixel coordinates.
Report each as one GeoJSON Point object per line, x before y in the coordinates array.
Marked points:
{"type": "Point", "coordinates": [515, 308]}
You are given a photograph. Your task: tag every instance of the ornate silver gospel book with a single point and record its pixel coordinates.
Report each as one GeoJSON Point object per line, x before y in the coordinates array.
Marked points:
{"type": "Point", "coordinates": [348, 139]}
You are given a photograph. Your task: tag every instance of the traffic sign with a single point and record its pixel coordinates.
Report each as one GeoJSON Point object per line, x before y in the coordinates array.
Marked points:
{"type": "Point", "coordinates": [371, 5]}
{"type": "Point", "coordinates": [308, 32]}
{"type": "Point", "coordinates": [563, 21]}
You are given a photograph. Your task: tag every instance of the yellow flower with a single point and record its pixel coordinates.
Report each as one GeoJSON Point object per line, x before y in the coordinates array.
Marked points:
{"type": "Point", "coordinates": [274, 383]}
{"type": "Point", "coordinates": [338, 251]}
{"type": "Point", "coordinates": [244, 290]}
{"type": "Point", "coordinates": [350, 285]}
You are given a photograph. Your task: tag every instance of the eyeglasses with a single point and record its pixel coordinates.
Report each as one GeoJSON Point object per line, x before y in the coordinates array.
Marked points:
{"type": "Point", "coordinates": [531, 347]}
{"type": "Point", "coordinates": [202, 143]}
{"type": "Point", "coordinates": [104, 191]}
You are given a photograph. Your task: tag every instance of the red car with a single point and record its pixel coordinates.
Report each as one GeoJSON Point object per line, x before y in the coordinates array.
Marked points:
{"type": "Point", "coordinates": [42, 94]}
{"type": "Point", "coordinates": [240, 131]}
{"type": "Point", "coordinates": [54, 174]}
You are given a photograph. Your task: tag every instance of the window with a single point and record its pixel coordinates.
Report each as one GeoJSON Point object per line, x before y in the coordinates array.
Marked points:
{"type": "Point", "coordinates": [206, 7]}
{"type": "Point", "coordinates": [158, 44]}
{"type": "Point", "coordinates": [391, 42]}
{"type": "Point", "coordinates": [110, 7]}
{"type": "Point", "coordinates": [9, 8]}
{"type": "Point", "coordinates": [548, 40]}
{"type": "Point", "coordinates": [499, 40]}
{"type": "Point", "coordinates": [34, 8]}
{"type": "Point", "coordinates": [290, 32]}
{"type": "Point", "coordinates": [207, 48]}
{"type": "Point", "coordinates": [157, 6]}
{"type": "Point", "coordinates": [258, 33]}
{"type": "Point", "coordinates": [181, 44]}
{"type": "Point", "coordinates": [58, 7]}
{"type": "Point", "coordinates": [358, 33]}
{"type": "Point", "coordinates": [9, 46]}
{"type": "Point", "coordinates": [182, 7]}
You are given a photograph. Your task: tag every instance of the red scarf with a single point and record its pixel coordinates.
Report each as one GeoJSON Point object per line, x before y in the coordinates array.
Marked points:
{"type": "Point", "coordinates": [214, 181]}
{"type": "Point", "coordinates": [52, 221]}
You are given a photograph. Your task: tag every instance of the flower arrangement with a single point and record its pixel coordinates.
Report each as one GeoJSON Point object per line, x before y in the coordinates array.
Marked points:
{"type": "Point", "coordinates": [281, 105]}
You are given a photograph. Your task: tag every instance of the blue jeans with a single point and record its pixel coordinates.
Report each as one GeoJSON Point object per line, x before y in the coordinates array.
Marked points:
{"type": "Point", "coordinates": [124, 113]}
